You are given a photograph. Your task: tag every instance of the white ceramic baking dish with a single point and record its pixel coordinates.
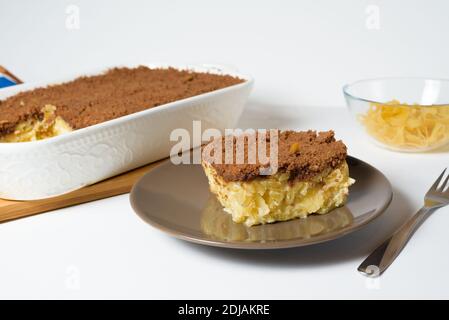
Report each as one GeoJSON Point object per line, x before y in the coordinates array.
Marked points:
{"type": "Point", "coordinates": [47, 168]}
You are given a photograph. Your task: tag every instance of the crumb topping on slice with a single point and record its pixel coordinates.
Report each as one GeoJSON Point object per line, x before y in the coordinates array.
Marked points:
{"type": "Point", "coordinates": [303, 154]}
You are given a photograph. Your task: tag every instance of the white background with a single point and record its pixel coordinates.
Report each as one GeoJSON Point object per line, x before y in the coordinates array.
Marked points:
{"type": "Point", "coordinates": [300, 53]}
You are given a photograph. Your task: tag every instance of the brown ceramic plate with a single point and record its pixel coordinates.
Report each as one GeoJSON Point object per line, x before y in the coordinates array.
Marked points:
{"type": "Point", "coordinates": [176, 200]}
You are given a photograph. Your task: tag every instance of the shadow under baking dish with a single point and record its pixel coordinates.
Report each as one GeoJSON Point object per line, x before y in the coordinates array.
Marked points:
{"type": "Point", "coordinates": [176, 200]}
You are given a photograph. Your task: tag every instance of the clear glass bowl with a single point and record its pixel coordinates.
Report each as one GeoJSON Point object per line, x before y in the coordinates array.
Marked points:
{"type": "Point", "coordinates": [402, 114]}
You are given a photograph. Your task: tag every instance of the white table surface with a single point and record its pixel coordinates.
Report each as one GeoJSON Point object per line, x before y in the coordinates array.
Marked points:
{"type": "Point", "coordinates": [103, 250]}
{"type": "Point", "coordinates": [302, 57]}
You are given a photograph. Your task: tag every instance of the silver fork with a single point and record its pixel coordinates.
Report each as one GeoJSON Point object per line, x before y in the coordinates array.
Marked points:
{"type": "Point", "coordinates": [381, 258]}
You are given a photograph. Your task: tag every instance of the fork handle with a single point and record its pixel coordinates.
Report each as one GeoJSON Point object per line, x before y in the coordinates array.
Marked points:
{"type": "Point", "coordinates": [381, 258]}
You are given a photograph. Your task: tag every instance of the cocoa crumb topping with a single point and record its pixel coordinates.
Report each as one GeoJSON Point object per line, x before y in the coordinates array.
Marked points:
{"type": "Point", "coordinates": [86, 101]}
{"type": "Point", "coordinates": [303, 154]}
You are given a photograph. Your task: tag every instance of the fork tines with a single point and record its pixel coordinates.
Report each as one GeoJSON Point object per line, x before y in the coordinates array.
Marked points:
{"type": "Point", "coordinates": [436, 185]}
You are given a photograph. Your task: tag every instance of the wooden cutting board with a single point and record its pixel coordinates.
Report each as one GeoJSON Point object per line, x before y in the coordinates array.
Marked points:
{"type": "Point", "coordinates": [10, 210]}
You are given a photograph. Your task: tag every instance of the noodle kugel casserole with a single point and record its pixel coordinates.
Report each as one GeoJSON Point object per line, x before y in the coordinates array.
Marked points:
{"type": "Point", "coordinates": [57, 109]}
{"type": "Point", "coordinates": [312, 177]}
